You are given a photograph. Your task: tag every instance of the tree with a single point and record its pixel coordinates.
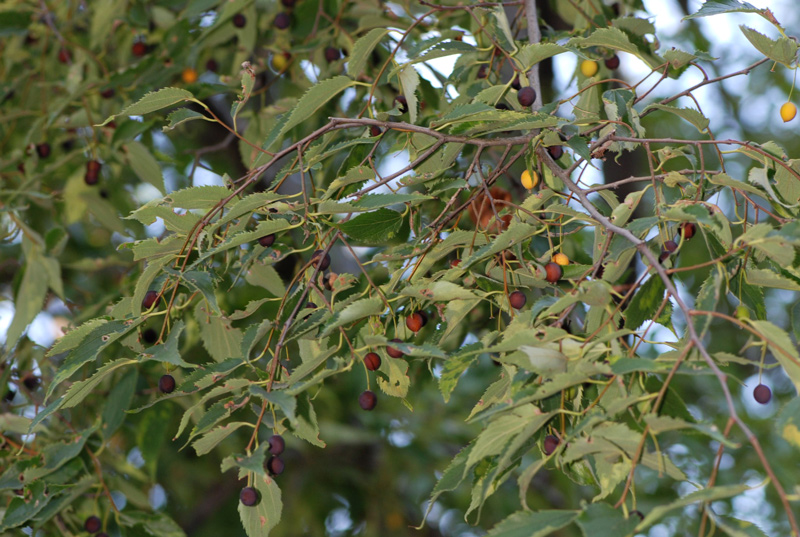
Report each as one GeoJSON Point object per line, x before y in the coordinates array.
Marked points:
{"type": "Point", "coordinates": [477, 325]}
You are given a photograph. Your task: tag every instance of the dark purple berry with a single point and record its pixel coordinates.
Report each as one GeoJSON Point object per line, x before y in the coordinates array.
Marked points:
{"type": "Point", "coordinates": [688, 229]}
{"type": "Point", "coordinates": [276, 444]}
{"type": "Point", "coordinates": [267, 240]}
{"type": "Point", "coordinates": [93, 524]}
{"type": "Point", "coordinates": [670, 246]}
{"type": "Point", "coordinates": [367, 400]}
{"type": "Point", "coordinates": [249, 496]}
{"type": "Point", "coordinates": [43, 150]}
{"type": "Point", "coordinates": [320, 262]}
{"type": "Point", "coordinates": [166, 384]}
{"type": "Point", "coordinates": [239, 20]}
{"type": "Point", "coordinates": [150, 298]}
{"type": "Point", "coordinates": [515, 82]}
{"type": "Point", "coordinates": [150, 336]}
{"type": "Point", "coordinates": [402, 103]}
{"type": "Point", "coordinates": [139, 49]}
{"type": "Point", "coordinates": [332, 54]}
{"type": "Point", "coordinates": [282, 21]}
{"type": "Point", "coordinates": [526, 96]}
{"type": "Point", "coordinates": [107, 93]}
{"type": "Point", "coordinates": [762, 394]}
{"type": "Point", "coordinates": [375, 130]}
{"type": "Point", "coordinates": [275, 466]}
{"type": "Point", "coordinates": [517, 300]}
{"type": "Point", "coordinates": [92, 173]}
{"type": "Point", "coordinates": [550, 444]}
{"type": "Point", "coordinates": [555, 151]}
{"type": "Point", "coordinates": [30, 381]}
{"type": "Point", "coordinates": [212, 65]}
{"type": "Point", "coordinates": [612, 62]}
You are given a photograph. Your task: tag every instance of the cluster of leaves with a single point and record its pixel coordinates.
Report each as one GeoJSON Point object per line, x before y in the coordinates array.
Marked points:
{"type": "Point", "coordinates": [257, 328]}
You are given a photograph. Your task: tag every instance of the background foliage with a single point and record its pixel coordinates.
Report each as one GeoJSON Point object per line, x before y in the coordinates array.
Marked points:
{"type": "Point", "coordinates": [147, 147]}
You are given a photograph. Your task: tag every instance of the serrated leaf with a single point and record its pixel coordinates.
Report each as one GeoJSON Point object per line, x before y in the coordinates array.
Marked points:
{"type": "Point", "coordinates": [197, 197]}
{"type": "Point", "coordinates": [783, 50]}
{"type": "Point", "coordinates": [211, 439]}
{"type": "Point", "coordinates": [602, 520]}
{"type": "Point", "coordinates": [379, 227]}
{"type": "Point", "coordinates": [398, 383]}
{"type": "Point", "coordinates": [616, 39]}
{"type": "Point", "coordinates": [314, 99]}
{"type": "Point", "coordinates": [259, 520]}
{"type": "Point", "coordinates": [145, 165]}
{"type": "Point", "coordinates": [409, 81]}
{"type": "Point", "coordinates": [362, 49]}
{"type": "Point", "coordinates": [717, 7]}
{"type": "Point", "coordinates": [221, 340]}
{"type": "Point", "coordinates": [733, 527]}
{"type": "Point", "coordinates": [21, 509]}
{"type": "Point", "coordinates": [169, 351]}
{"type": "Point", "coordinates": [534, 53]}
{"type": "Point", "coordinates": [782, 348]}
{"type": "Point", "coordinates": [697, 119]}
{"type": "Point", "coordinates": [533, 524]}
{"type": "Point", "coordinates": [788, 423]}
{"type": "Point", "coordinates": [645, 302]}
{"type": "Point", "coordinates": [707, 299]}
{"type": "Point", "coordinates": [78, 391]}
{"type": "Point", "coordinates": [702, 495]}
{"type": "Point", "coordinates": [353, 312]}
{"type": "Point", "coordinates": [180, 116]}
{"type": "Point", "coordinates": [153, 101]}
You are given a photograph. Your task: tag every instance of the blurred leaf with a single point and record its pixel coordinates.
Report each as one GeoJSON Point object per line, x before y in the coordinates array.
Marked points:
{"type": "Point", "coordinates": [535, 524]}
{"type": "Point", "coordinates": [602, 520]}
{"type": "Point", "coordinates": [153, 101]}
{"type": "Point", "coordinates": [378, 227]}
{"type": "Point", "coordinates": [645, 302]}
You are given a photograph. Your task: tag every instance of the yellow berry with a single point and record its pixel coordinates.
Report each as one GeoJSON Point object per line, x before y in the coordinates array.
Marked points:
{"type": "Point", "coordinates": [529, 181]}
{"type": "Point", "coordinates": [189, 75]}
{"type": "Point", "coordinates": [589, 68]}
{"type": "Point", "coordinates": [788, 111]}
{"type": "Point", "coordinates": [280, 62]}
{"type": "Point", "coordinates": [561, 259]}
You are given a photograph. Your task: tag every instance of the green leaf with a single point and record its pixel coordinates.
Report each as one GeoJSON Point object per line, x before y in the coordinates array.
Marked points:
{"type": "Point", "coordinates": [707, 300]}
{"type": "Point", "coordinates": [119, 400]}
{"type": "Point", "coordinates": [78, 391]}
{"type": "Point", "coordinates": [314, 99]}
{"type": "Point", "coordinates": [153, 101]}
{"type": "Point", "coordinates": [181, 116]}
{"type": "Point", "coordinates": [209, 441]}
{"type": "Point", "coordinates": [169, 351]}
{"type": "Point", "coordinates": [733, 527]}
{"type": "Point", "coordinates": [602, 520]}
{"type": "Point", "coordinates": [409, 80]}
{"type": "Point", "coordinates": [702, 495]}
{"type": "Point", "coordinates": [717, 7]}
{"type": "Point", "coordinates": [248, 81]}
{"type": "Point", "coordinates": [220, 339]}
{"type": "Point", "coordinates": [198, 197]}
{"type": "Point", "coordinates": [354, 312]}
{"type": "Point", "coordinates": [29, 299]}
{"type": "Point", "coordinates": [20, 509]}
{"type": "Point", "coordinates": [454, 367]}
{"type": "Point", "coordinates": [259, 520]}
{"type": "Point", "coordinates": [362, 49]}
{"type": "Point", "coordinates": [645, 302]}
{"type": "Point", "coordinates": [55, 456]}
{"type": "Point", "coordinates": [692, 116]}
{"type": "Point", "coordinates": [379, 227]}
{"type": "Point", "coordinates": [783, 50]}
{"type": "Point", "coordinates": [536, 524]}
{"type": "Point", "coordinates": [534, 53]}
{"type": "Point", "coordinates": [398, 383]}
{"type": "Point", "coordinates": [783, 349]}
{"type": "Point", "coordinates": [14, 23]}
{"type": "Point", "coordinates": [151, 433]}
{"type": "Point", "coordinates": [616, 39]}
{"type": "Point", "coordinates": [145, 165]}
{"type": "Point", "coordinates": [772, 245]}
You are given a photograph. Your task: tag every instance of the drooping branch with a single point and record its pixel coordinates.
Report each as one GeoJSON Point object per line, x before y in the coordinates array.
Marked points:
{"type": "Point", "coordinates": [534, 36]}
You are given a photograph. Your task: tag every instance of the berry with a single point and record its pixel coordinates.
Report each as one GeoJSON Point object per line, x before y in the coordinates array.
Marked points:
{"type": "Point", "coordinates": [166, 384]}
{"type": "Point", "coordinates": [561, 259]}
{"type": "Point", "coordinates": [64, 55]}
{"type": "Point", "coordinates": [526, 96]}
{"type": "Point", "coordinates": [515, 83]}
{"type": "Point", "coordinates": [550, 444]}
{"type": "Point", "coordinates": [638, 513]}
{"type": "Point", "coordinates": [107, 93]}
{"type": "Point", "coordinates": [139, 49]}
{"type": "Point", "coordinates": [553, 272]}
{"type": "Point", "coordinates": [239, 20]}
{"type": "Point", "coordinates": [267, 240]}
{"type": "Point", "coordinates": [281, 61]}
{"type": "Point", "coordinates": [393, 351]}
{"type": "Point", "coordinates": [424, 317]}
{"type": "Point", "coordinates": [589, 68]}
{"type": "Point", "coordinates": [517, 299]}
{"type": "Point", "coordinates": [43, 150]}
{"type": "Point", "coordinates": [415, 322]}
{"type": "Point", "coordinates": [367, 400]}
{"type": "Point", "coordinates": [670, 246]}
{"type": "Point", "coordinates": [612, 62]}
{"type": "Point", "coordinates": [212, 65]}
{"type": "Point", "coordinates": [30, 381]}
{"type": "Point", "coordinates": [688, 229]}
{"type": "Point", "coordinates": [483, 71]}
{"type": "Point", "coordinates": [282, 21]}
{"type": "Point", "coordinates": [663, 256]}
{"type": "Point", "coordinates": [93, 524]}
{"type": "Point", "coordinates": [402, 104]}
{"type": "Point", "coordinates": [189, 75]}
{"type": "Point", "coordinates": [311, 305]}
{"type": "Point", "coordinates": [275, 466]}
{"type": "Point", "coordinates": [249, 496]}
{"type": "Point", "coordinates": [150, 336]}
{"type": "Point", "coordinates": [742, 313]}
{"type": "Point", "coordinates": [150, 298]}
{"type": "Point", "coordinates": [555, 151]}
{"type": "Point", "coordinates": [102, 534]}
{"type": "Point", "coordinates": [454, 263]}
{"type": "Point", "coordinates": [502, 106]}
{"type": "Point", "coordinates": [92, 172]}
{"type": "Point", "coordinates": [288, 3]}
{"type": "Point", "coordinates": [529, 181]}
{"type": "Point", "coordinates": [320, 262]}
{"type": "Point", "coordinates": [276, 444]}
{"type": "Point", "coordinates": [788, 111]}
{"type": "Point", "coordinates": [372, 361]}
{"type": "Point", "coordinates": [762, 394]}
{"type": "Point", "coordinates": [375, 130]}
{"type": "Point", "coordinates": [332, 54]}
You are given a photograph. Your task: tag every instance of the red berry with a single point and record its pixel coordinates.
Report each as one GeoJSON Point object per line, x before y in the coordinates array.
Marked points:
{"type": "Point", "coordinates": [415, 322]}
{"type": "Point", "coordinates": [239, 20]}
{"type": "Point", "coordinates": [612, 62]}
{"type": "Point", "coordinates": [30, 381]}
{"type": "Point", "coordinates": [92, 524]}
{"type": "Point", "coordinates": [394, 352]}
{"type": "Point", "coordinates": [550, 444]}
{"type": "Point", "coordinates": [688, 229]}
{"type": "Point", "coordinates": [454, 263]}
{"type": "Point", "coordinates": [483, 71]}
{"type": "Point", "coordinates": [275, 466]}
{"type": "Point", "coordinates": [282, 21]}
{"type": "Point", "coordinates": [526, 96]}
{"type": "Point", "coordinates": [139, 49]}
{"type": "Point", "coordinates": [762, 394]}
{"type": "Point", "coordinates": [402, 104]}
{"type": "Point", "coordinates": [276, 444]}
{"type": "Point", "coordinates": [288, 3]}
{"type": "Point", "coordinates": [553, 272]}
{"type": "Point", "coordinates": [166, 384]}
{"type": "Point", "coordinates": [150, 336]}
{"type": "Point", "coordinates": [64, 55]}
{"type": "Point", "coordinates": [515, 83]}
{"type": "Point", "coordinates": [367, 400]}
{"type": "Point", "coordinates": [332, 54]}
{"type": "Point", "coordinates": [249, 496]}
{"type": "Point", "coordinates": [375, 130]}
{"type": "Point", "coordinates": [107, 93]}
{"type": "Point", "coordinates": [555, 151]}
{"type": "Point", "coordinates": [320, 262]}
{"type": "Point", "coordinates": [150, 298]}
{"type": "Point", "coordinates": [670, 246]}
{"type": "Point", "coordinates": [517, 300]}
{"type": "Point", "coordinates": [663, 256]}
{"type": "Point", "coordinates": [372, 361]}
{"type": "Point", "coordinates": [267, 240]}
{"type": "Point", "coordinates": [92, 173]}
{"type": "Point", "coordinates": [43, 150]}
{"type": "Point", "coordinates": [212, 65]}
